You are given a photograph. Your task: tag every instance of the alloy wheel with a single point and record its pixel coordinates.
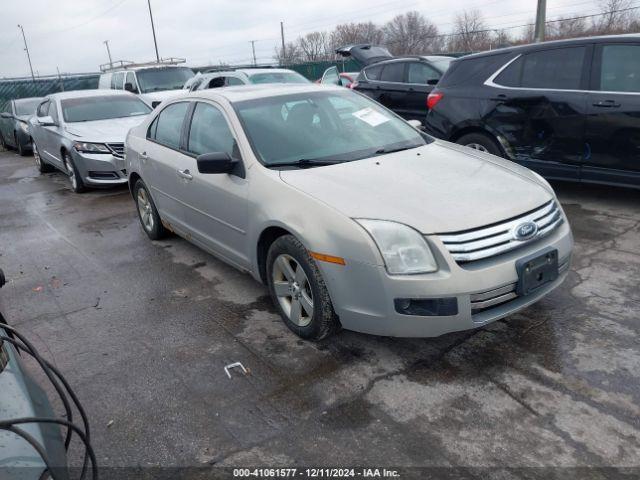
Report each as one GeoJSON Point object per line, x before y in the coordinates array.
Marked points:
{"type": "Point", "coordinates": [144, 209]}
{"type": "Point", "coordinates": [36, 155]}
{"type": "Point", "coordinates": [71, 172]}
{"type": "Point", "coordinates": [293, 290]}
{"type": "Point", "coordinates": [477, 146]}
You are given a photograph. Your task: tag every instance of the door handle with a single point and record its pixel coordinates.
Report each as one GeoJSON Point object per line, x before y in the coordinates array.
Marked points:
{"type": "Point", "coordinates": [186, 174]}
{"type": "Point", "coordinates": [607, 104]}
{"type": "Point", "coordinates": [143, 156]}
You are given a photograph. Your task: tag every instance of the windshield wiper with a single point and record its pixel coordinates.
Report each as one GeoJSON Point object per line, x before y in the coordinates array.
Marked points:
{"type": "Point", "coordinates": [381, 151]}
{"type": "Point", "coordinates": [307, 162]}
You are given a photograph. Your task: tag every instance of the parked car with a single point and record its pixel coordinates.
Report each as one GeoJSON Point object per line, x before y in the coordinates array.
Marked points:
{"type": "Point", "coordinates": [14, 124]}
{"type": "Point", "coordinates": [82, 133]}
{"type": "Point", "coordinates": [332, 76]}
{"type": "Point", "coordinates": [403, 84]}
{"type": "Point", "coordinates": [244, 76]}
{"type": "Point", "coordinates": [350, 215]}
{"type": "Point", "coordinates": [153, 82]}
{"type": "Point", "coordinates": [567, 109]}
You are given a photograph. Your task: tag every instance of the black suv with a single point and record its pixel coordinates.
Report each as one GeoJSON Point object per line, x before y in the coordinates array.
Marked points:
{"type": "Point", "coordinates": [567, 109]}
{"type": "Point", "coordinates": [403, 84]}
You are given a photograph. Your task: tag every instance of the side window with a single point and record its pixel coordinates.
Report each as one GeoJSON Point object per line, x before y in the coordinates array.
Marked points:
{"type": "Point", "coordinates": [53, 111]}
{"type": "Point", "coordinates": [620, 70]}
{"type": "Point", "coordinates": [559, 69]}
{"type": "Point", "coordinates": [373, 73]}
{"type": "Point", "coordinates": [234, 81]}
{"type": "Point", "coordinates": [421, 73]}
{"type": "Point", "coordinates": [216, 82]}
{"type": "Point", "coordinates": [510, 76]}
{"type": "Point", "coordinates": [43, 109]}
{"type": "Point", "coordinates": [167, 127]}
{"type": "Point", "coordinates": [210, 132]}
{"type": "Point", "coordinates": [393, 72]}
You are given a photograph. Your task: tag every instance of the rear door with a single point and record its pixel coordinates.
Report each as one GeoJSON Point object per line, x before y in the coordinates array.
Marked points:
{"type": "Point", "coordinates": [421, 78]}
{"type": "Point", "coordinates": [216, 204]}
{"type": "Point", "coordinates": [538, 103]}
{"type": "Point", "coordinates": [387, 85]}
{"type": "Point", "coordinates": [165, 166]}
{"type": "Point", "coordinates": [613, 123]}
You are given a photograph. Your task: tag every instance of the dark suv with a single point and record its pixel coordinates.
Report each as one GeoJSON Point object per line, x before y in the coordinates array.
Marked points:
{"type": "Point", "coordinates": [567, 109]}
{"type": "Point", "coordinates": [402, 84]}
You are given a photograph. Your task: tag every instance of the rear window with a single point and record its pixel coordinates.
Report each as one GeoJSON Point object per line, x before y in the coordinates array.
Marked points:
{"type": "Point", "coordinates": [560, 69]}
{"type": "Point", "coordinates": [393, 72]}
{"type": "Point", "coordinates": [373, 73]}
{"type": "Point", "coordinates": [620, 71]}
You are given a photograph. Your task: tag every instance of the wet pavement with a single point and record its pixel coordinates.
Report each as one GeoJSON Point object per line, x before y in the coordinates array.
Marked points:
{"type": "Point", "coordinates": [142, 331]}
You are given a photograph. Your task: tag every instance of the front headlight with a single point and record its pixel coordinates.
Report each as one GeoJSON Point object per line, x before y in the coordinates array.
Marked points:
{"type": "Point", "coordinates": [24, 127]}
{"type": "Point", "coordinates": [86, 147]}
{"type": "Point", "coordinates": [404, 250]}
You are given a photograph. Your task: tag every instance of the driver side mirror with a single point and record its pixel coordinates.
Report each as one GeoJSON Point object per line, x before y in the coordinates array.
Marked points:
{"type": "Point", "coordinates": [130, 88]}
{"type": "Point", "coordinates": [216, 162]}
{"type": "Point", "coordinates": [46, 121]}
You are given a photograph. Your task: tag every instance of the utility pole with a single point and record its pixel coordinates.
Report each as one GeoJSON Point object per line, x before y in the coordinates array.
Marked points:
{"type": "Point", "coordinates": [253, 49]}
{"type": "Point", "coordinates": [106, 42]}
{"type": "Point", "coordinates": [283, 54]}
{"type": "Point", "coordinates": [60, 80]}
{"type": "Point", "coordinates": [153, 29]}
{"type": "Point", "coordinates": [541, 18]}
{"type": "Point", "coordinates": [26, 48]}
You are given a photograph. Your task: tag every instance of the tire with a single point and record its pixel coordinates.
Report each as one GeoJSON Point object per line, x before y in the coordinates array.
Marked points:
{"type": "Point", "coordinates": [3, 144]}
{"type": "Point", "coordinates": [21, 151]}
{"type": "Point", "coordinates": [147, 212]}
{"type": "Point", "coordinates": [294, 291]}
{"type": "Point", "coordinates": [77, 185]}
{"type": "Point", "coordinates": [482, 142]}
{"type": "Point", "coordinates": [42, 166]}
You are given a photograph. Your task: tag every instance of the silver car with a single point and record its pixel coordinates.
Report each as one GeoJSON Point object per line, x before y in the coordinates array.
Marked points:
{"type": "Point", "coordinates": [245, 76]}
{"type": "Point", "coordinates": [349, 214]}
{"type": "Point", "coordinates": [81, 133]}
{"type": "Point", "coordinates": [14, 126]}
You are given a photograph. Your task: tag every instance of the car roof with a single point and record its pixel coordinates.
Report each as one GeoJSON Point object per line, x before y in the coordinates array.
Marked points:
{"type": "Point", "coordinates": [251, 92]}
{"type": "Point", "coordinates": [633, 37]}
{"type": "Point", "coordinates": [99, 92]}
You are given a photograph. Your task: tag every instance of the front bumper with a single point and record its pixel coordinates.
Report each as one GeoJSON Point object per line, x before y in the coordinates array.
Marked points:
{"type": "Point", "coordinates": [100, 169]}
{"type": "Point", "coordinates": [363, 294]}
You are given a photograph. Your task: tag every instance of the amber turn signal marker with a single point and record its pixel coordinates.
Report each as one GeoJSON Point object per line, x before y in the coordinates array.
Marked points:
{"type": "Point", "coordinates": [327, 258]}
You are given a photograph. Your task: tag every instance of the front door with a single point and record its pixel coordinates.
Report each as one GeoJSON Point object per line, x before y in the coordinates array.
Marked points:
{"type": "Point", "coordinates": [217, 209]}
{"type": "Point", "coordinates": [613, 123]}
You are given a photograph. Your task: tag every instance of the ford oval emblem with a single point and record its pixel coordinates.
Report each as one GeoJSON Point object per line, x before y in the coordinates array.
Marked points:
{"type": "Point", "coordinates": [525, 231]}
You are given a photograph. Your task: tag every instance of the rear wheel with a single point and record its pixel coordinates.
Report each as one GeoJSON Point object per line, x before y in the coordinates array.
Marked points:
{"type": "Point", "coordinates": [298, 290]}
{"type": "Point", "coordinates": [77, 185]}
{"type": "Point", "coordinates": [147, 212]}
{"type": "Point", "coordinates": [482, 142]}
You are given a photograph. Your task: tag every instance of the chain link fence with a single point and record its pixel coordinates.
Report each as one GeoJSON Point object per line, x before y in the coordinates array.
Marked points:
{"type": "Point", "coordinates": [11, 88]}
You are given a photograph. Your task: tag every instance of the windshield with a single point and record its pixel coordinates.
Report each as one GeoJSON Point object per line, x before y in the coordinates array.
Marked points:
{"type": "Point", "coordinates": [27, 107]}
{"type": "Point", "coordinates": [277, 77]}
{"type": "Point", "coordinates": [332, 125]}
{"type": "Point", "coordinates": [159, 79]}
{"type": "Point", "coordinates": [89, 109]}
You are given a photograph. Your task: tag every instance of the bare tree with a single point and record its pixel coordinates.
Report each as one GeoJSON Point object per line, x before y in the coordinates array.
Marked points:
{"type": "Point", "coordinates": [470, 33]}
{"type": "Point", "coordinates": [613, 20]}
{"type": "Point", "coordinates": [566, 28]}
{"type": "Point", "coordinates": [314, 47]}
{"type": "Point", "coordinates": [291, 55]}
{"type": "Point", "coordinates": [354, 33]}
{"type": "Point", "coordinates": [411, 33]}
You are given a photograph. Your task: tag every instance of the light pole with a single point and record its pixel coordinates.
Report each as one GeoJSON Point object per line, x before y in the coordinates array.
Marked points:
{"type": "Point", "coordinates": [106, 42]}
{"type": "Point", "coordinates": [26, 48]}
{"type": "Point", "coordinates": [153, 29]}
{"type": "Point", "coordinates": [253, 49]}
{"type": "Point", "coordinates": [541, 15]}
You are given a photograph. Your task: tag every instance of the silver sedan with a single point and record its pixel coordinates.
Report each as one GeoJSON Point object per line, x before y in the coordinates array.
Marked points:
{"type": "Point", "coordinates": [350, 215]}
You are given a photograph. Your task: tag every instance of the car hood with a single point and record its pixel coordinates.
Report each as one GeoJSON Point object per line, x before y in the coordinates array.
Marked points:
{"type": "Point", "coordinates": [437, 188]}
{"type": "Point", "coordinates": [23, 118]}
{"type": "Point", "coordinates": [112, 130]}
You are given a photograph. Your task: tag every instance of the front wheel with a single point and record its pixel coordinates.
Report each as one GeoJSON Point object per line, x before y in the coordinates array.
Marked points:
{"type": "Point", "coordinates": [77, 185]}
{"type": "Point", "coordinates": [480, 141]}
{"type": "Point", "coordinates": [42, 166]}
{"type": "Point", "coordinates": [147, 212]}
{"type": "Point", "coordinates": [298, 290]}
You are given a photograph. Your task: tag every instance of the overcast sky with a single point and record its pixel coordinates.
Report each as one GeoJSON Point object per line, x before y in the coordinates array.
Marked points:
{"type": "Point", "coordinates": [69, 34]}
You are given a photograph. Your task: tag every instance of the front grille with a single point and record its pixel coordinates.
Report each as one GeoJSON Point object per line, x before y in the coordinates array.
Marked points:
{"type": "Point", "coordinates": [485, 242]}
{"type": "Point", "coordinates": [117, 149]}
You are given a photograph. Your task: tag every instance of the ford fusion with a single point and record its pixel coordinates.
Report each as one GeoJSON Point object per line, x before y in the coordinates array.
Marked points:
{"type": "Point", "coordinates": [82, 134]}
{"type": "Point", "coordinates": [352, 217]}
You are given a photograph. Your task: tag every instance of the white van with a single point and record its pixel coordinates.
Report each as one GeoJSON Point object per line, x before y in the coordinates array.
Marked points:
{"type": "Point", "coordinates": [154, 82]}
